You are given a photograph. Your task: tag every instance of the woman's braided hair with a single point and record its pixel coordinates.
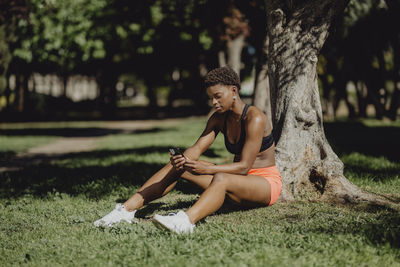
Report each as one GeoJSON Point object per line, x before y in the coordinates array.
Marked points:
{"type": "Point", "coordinates": [223, 75]}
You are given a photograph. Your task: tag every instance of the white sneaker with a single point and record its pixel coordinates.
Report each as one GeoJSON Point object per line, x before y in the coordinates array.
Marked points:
{"type": "Point", "coordinates": [115, 216]}
{"type": "Point", "coordinates": [178, 223]}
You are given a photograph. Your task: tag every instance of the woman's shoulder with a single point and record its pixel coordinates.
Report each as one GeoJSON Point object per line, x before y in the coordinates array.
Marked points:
{"type": "Point", "coordinates": [255, 114]}
{"type": "Point", "coordinates": [257, 117]}
{"type": "Point", "coordinates": [216, 118]}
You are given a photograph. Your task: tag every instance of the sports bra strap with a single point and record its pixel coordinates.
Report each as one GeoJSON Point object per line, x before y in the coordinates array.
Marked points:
{"type": "Point", "coordinates": [246, 107]}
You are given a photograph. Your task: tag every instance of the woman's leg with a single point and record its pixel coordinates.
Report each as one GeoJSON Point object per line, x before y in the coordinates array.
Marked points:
{"type": "Point", "coordinates": [155, 187]}
{"type": "Point", "coordinates": [161, 183]}
{"type": "Point", "coordinates": [247, 190]}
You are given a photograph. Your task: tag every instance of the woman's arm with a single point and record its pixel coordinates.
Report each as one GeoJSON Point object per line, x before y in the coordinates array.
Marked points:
{"type": "Point", "coordinates": [206, 138]}
{"type": "Point", "coordinates": [254, 133]}
{"type": "Point", "coordinates": [202, 144]}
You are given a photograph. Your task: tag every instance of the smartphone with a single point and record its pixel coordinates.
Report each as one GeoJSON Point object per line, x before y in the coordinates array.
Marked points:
{"type": "Point", "coordinates": [175, 151]}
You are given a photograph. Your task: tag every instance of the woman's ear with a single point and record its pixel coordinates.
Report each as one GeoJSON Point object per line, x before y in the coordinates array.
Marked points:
{"type": "Point", "coordinates": [234, 89]}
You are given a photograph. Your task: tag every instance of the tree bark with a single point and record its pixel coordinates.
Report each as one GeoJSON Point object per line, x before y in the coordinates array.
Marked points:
{"type": "Point", "coordinates": [310, 169]}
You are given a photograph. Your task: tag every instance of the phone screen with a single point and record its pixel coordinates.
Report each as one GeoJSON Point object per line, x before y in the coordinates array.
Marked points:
{"type": "Point", "coordinates": [175, 151]}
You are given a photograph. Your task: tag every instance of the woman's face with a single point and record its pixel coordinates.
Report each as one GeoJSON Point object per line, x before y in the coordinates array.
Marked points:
{"type": "Point", "coordinates": [221, 97]}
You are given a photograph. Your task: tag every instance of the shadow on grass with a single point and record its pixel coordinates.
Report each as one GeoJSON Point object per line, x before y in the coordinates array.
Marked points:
{"type": "Point", "coordinates": [94, 181]}
{"type": "Point", "coordinates": [164, 209]}
{"type": "Point", "coordinates": [384, 229]}
{"type": "Point", "coordinates": [379, 225]}
{"type": "Point", "coordinates": [73, 132]}
{"type": "Point", "coordinates": [382, 141]}
{"type": "Point", "coordinates": [41, 174]}
{"type": "Point", "coordinates": [105, 154]}
{"type": "Point", "coordinates": [347, 137]}
{"type": "Point", "coordinates": [6, 155]}
{"type": "Point", "coordinates": [382, 226]}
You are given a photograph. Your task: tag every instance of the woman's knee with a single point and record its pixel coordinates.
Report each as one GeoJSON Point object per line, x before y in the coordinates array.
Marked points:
{"type": "Point", "coordinates": [220, 178]}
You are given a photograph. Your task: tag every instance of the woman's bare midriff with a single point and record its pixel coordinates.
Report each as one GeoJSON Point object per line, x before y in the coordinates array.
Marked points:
{"type": "Point", "coordinates": [264, 159]}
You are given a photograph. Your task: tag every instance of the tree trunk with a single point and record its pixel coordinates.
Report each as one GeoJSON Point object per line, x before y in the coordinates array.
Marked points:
{"type": "Point", "coordinates": [234, 51]}
{"type": "Point", "coordinates": [108, 104]}
{"type": "Point", "coordinates": [221, 58]}
{"type": "Point", "coordinates": [340, 84]}
{"type": "Point", "coordinates": [7, 92]}
{"type": "Point", "coordinates": [395, 101]}
{"type": "Point", "coordinates": [309, 167]}
{"type": "Point", "coordinates": [350, 107]}
{"type": "Point", "coordinates": [262, 97]}
{"type": "Point", "coordinates": [5, 59]}
{"type": "Point", "coordinates": [64, 84]}
{"type": "Point", "coordinates": [362, 94]}
{"type": "Point", "coordinates": [152, 107]}
{"type": "Point", "coordinates": [20, 92]}
{"type": "Point", "coordinates": [327, 100]}
{"type": "Point", "coordinates": [376, 82]}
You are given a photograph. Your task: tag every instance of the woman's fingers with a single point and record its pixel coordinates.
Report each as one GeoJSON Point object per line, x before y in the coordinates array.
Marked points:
{"type": "Point", "coordinates": [189, 161]}
{"type": "Point", "coordinates": [178, 161]}
{"type": "Point", "coordinates": [189, 164]}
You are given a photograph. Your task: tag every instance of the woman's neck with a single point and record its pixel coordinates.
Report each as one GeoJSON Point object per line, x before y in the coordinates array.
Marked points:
{"type": "Point", "coordinates": [237, 109]}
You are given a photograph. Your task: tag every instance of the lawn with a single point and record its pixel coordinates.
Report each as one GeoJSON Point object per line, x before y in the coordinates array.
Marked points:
{"type": "Point", "coordinates": [47, 210]}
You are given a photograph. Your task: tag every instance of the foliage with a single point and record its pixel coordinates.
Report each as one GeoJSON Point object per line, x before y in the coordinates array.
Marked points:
{"type": "Point", "coordinates": [110, 38]}
{"type": "Point", "coordinates": [57, 35]}
{"type": "Point", "coordinates": [172, 44]}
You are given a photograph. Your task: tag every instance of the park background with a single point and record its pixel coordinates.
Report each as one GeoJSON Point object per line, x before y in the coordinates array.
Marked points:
{"type": "Point", "coordinates": [93, 93]}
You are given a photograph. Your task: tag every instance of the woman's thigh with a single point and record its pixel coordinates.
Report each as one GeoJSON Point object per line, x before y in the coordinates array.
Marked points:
{"type": "Point", "coordinates": [249, 190]}
{"type": "Point", "coordinates": [203, 181]}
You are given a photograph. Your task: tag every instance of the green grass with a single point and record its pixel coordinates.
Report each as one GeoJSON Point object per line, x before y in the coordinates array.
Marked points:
{"type": "Point", "coordinates": [19, 137]}
{"type": "Point", "coordinates": [47, 210]}
{"type": "Point", "coordinates": [11, 145]}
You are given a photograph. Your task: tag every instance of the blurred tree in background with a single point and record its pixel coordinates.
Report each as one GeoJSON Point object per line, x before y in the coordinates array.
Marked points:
{"type": "Point", "coordinates": [10, 13]}
{"type": "Point", "coordinates": [363, 52]}
{"type": "Point", "coordinates": [162, 49]}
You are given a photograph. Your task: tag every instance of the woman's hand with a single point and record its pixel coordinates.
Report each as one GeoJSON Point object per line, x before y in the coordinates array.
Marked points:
{"type": "Point", "coordinates": [178, 161]}
{"type": "Point", "coordinates": [197, 167]}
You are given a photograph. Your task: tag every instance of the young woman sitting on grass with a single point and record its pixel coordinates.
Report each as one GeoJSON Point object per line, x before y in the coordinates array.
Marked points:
{"type": "Point", "coordinates": [251, 180]}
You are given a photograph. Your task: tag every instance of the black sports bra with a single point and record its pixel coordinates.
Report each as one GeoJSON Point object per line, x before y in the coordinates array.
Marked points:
{"type": "Point", "coordinates": [236, 149]}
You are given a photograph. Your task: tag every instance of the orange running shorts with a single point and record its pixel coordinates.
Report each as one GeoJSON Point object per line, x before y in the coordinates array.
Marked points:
{"type": "Point", "coordinates": [272, 175]}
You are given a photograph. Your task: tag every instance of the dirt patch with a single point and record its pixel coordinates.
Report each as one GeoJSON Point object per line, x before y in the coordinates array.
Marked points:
{"type": "Point", "coordinates": [67, 145]}
{"type": "Point", "coordinates": [64, 146]}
